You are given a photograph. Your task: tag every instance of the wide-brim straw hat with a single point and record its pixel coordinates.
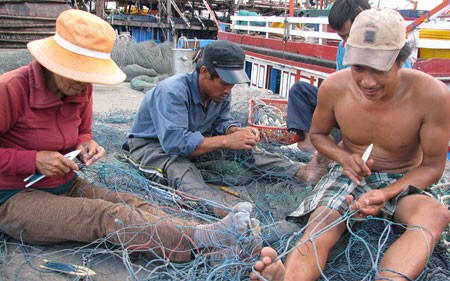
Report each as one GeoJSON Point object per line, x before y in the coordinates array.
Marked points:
{"type": "Point", "coordinates": [80, 49]}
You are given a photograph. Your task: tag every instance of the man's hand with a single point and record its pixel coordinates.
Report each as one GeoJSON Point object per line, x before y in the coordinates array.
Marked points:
{"type": "Point", "coordinates": [90, 152]}
{"type": "Point", "coordinates": [52, 163]}
{"type": "Point", "coordinates": [254, 131]}
{"type": "Point", "coordinates": [369, 204]}
{"type": "Point", "coordinates": [243, 139]}
{"type": "Point", "coordinates": [356, 169]}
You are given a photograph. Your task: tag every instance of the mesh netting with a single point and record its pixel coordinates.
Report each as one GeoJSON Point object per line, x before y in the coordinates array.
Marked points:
{"type": "Point", "coordinates": [135, 59]}
{"type": "Point", "coordinates": [355, 257]}
{"type": "Point", "coordinates": [143, 56]}
{"type": "Point", "coordinates": [144, 83]}
{"type": "Point", "coordinates": [14, 59]}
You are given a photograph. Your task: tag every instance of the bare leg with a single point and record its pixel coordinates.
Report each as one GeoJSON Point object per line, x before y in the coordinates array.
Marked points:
{"type": "Point", "coordinates": [314, 170]}
{"type": "Point", "coordinates": [301, 264]}
{"type": "Point", "coordinates": [409, 254]}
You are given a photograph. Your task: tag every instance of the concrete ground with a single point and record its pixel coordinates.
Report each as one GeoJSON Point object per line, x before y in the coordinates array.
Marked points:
{"type": "Point", "coordinates": [120, 96]}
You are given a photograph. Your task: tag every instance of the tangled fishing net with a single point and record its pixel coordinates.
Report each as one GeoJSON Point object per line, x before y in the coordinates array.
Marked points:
{"type": "Point", "coordinates": [355, 257]}
{"type": "Point", "coordinates": [14, 59]}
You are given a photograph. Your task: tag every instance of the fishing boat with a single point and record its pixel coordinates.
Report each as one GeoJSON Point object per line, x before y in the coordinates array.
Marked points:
{"type": "Point", "coordinates": [283, 50]}
{"type": "Point", "coordinates": [285, 41]}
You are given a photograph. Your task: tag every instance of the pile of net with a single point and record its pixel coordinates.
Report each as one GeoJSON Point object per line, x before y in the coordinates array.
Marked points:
{"type": "Point", "coordinates": [13, 59]}
{"type": "Point", "coordinates": [145, 63]}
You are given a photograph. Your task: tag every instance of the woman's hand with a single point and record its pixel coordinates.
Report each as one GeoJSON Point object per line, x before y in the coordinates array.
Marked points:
{"type": "Point", "coordinates": [90, 152]}
{"type": "Point", "coordinates": [53, 163]}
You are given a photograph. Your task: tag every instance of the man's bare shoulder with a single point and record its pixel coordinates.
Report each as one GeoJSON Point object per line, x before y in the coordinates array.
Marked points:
{"type": "Point", "coordinates": [337, 80]}
{"type": "Point", "coordinates": [425, 85]}
{"type": "Point", "coordinates": [429, 96]}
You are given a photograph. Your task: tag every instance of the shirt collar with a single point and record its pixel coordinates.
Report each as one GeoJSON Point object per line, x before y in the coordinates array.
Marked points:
{"type": "Point", "coordinates": [193, 80]}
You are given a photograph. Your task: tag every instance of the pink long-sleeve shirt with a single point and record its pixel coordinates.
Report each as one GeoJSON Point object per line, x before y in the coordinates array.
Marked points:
{"type": "Point", "coordinates": [32, 119]}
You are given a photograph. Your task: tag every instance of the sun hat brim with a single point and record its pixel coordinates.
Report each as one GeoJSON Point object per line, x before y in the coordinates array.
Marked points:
{"type": "Point", "coordinates": [75, 66]}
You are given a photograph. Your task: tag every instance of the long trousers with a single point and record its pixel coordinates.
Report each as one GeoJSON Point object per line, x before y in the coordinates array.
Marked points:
{"type": "Point", "coordinates": [302, 102]}
{"type": "Point", "coordinates": [87, 212]}
{"type": "Point", "coordinates": [183, 174]}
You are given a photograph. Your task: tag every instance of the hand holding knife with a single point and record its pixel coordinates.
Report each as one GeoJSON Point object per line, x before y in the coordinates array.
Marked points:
{"type": "Point", "coordinates": [32, 179]}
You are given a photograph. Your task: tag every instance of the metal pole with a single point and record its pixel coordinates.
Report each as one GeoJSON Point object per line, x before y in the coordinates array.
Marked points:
{"type": "Point", "coordinates": [100, 8]}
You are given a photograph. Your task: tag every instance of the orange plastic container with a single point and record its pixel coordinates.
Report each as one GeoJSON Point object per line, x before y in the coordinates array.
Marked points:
{"type": "Point", "coordinates": [272, 134]}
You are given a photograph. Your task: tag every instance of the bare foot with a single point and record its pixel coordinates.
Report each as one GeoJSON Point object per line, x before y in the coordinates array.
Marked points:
{"type": "Point", "coordinates": [314, 170]}
{"type": "Point", "coordinates": [266, 268]}
{"type": "Point", "coordinates": [306, 145]}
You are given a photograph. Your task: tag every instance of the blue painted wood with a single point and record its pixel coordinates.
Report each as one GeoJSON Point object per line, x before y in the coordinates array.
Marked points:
{"type": "Point", "coordinates": [274, 76]}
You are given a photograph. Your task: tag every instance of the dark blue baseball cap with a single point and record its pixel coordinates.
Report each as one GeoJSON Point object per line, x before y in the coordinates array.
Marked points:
{"type": "Point", "coordinates": [227, 59]}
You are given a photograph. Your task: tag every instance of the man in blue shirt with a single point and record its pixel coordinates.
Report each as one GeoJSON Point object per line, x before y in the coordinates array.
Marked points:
{"type": "Point", "coordinates": [302, 95]}
{"type": "Point", "coordinates": [170, 126]}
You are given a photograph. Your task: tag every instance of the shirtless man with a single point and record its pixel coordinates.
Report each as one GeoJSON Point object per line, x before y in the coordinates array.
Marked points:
{"type": "Point", "coordinates": [302, 95]}
{"type": "Point", "coordinates": [405, 113]}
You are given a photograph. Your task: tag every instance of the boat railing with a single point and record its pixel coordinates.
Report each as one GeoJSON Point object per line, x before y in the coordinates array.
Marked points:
{"type": "Point", "coordinates": [430, 32]}
{"type": "Point", "coordinates": [437, 11]}
{"type": "Point", "coordinates": [310, 29]}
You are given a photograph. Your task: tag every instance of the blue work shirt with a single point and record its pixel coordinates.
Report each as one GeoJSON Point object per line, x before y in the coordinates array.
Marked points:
{"type": "Point", "coordinates": [340, 58]}
{"type": "Point", "coordinates": [173, 112]}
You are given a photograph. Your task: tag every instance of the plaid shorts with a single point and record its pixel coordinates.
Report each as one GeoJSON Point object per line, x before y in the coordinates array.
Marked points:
{"type": "Point", "coordinates": [333, 189]}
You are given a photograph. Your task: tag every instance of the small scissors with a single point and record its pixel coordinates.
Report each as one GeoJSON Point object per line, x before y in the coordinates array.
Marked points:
{"type": "Point", "coordinates": [32, 179]}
